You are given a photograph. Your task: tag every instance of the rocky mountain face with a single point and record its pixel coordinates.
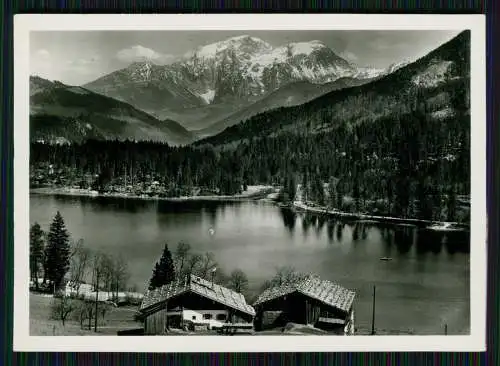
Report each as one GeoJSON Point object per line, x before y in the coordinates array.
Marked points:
{"type": "Point", "coordinates": [240, 70]}
{"type": "Point", "coordinates": [61, 113]}
{"type": "Point", "coordinates": [292, 94]}
{"type": "Point", "coordinates": [436, 84]}
{"type": "Point", "coordinates": [247, 67]}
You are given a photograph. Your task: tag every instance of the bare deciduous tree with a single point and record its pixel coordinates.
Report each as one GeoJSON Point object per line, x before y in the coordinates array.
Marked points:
{"type": "Point", "coordinates": [193, 264]}
{"type": "Point", "coordinates": [120, 275]}
{"type": "Point", "coordinates": [238, 281]}
{"type": "Point", "coordinates": [267, 284]}
{"type": "Point", "coordinates": [85, 311]}
{"type": "Point", "coordinates": [79, 262]}
{"type": "Point", "coordinates": [89, 309]}
{"type": "Point", "coordinates": [181, 255]}
{"type": "Point", "coordinates": [221, 277]}
{"type": "Point", "coordinates": [133, 288]}
{"type": "Point", "coordinates": [285, 275]}
{"type": "Point", "coordinates": [103, 310]}
{"type": "Point", "coordinates": [208, 263]}
{"type": "Point", "coordinates": [99, 264]}
{"type": "Point", "coordinates": [107, 268]}
{"type": "Point", "coordinates": [45, 264]}
{"type": "Point", "coordinates": [62, 307]}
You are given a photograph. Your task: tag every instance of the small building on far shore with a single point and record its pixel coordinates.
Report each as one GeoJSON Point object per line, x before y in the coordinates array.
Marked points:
{"type": "Point", "coordinates": [312, 301]}
{"type": "Point", "coordinates": [195, 303]}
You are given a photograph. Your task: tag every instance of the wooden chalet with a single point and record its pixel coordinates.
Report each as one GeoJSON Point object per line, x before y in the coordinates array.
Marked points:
{"type": "Point", "coordinates": [195, 303]}
{"type": "Point", "coordinates": [312, 301]}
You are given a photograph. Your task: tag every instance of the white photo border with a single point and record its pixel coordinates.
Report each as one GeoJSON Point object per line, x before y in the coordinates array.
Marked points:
{"type": "Point", "coordinates": [25, 23]}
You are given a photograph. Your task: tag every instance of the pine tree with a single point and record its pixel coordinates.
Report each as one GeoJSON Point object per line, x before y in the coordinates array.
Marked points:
{"type": "Point", "coordinates": [339, 200]}
{"type": "Point", "coordinates": [305, 187]}
{"type": "Point", "coordinates": [167, 266]}
{"type": "Point", "coordinates": [289, 188]}
{"type": "Point", "coordinates": [154, 282]}
{"type": "Point", "coordinates": [436, 194]}
{"type": "Point", "coordinates": [356, 194]}
{"type": "Point", "coordinates": [57, 251]}
{"type": "Point", "coordinates": [36, 251]}
{"type": "Point", "coordinates": [424, 204]}
{"type": "Point", "coordinates": [451, 204]}
{"type": "Point", "coordinates": [292, 187]}
{"type": "Point", "coordinates": [332, 193]}
{"type": "Point", "coordinates": [164, 271]}
{"type": "Point", "coordinates": [318, 191]}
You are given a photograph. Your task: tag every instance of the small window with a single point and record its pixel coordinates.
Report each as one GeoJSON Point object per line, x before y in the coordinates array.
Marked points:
{"type": "Point", "coordinates": [193, 317]}
{"type": "Point", "coordinates": [221, 317]}
{"type": "Point", "coordinates": [207, 316]}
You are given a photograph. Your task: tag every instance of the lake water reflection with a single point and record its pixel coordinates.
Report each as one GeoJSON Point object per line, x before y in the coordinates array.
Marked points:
{"type": "Point", "coordinates": [423, 287]}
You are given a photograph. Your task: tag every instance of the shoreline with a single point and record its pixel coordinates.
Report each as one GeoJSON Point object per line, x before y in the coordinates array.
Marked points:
{"type": "Point", "coordinates": [300, 206]}
{"type": "Point", "coordinates": [256, 193]}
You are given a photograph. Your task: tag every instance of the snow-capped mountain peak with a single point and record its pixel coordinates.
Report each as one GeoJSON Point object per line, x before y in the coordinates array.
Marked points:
{"type": "Point", "coordinates": [305, 48]}
{"type": "Point", "coordinates": [240, 45]}
{"type": "Point", "coordinates": [373, 72]}
{"type": "Point", "coordinates": [397, 65]}
{"type": "Point", "coordinates": [243, 68]}
{"type": "Point", "coordinates": [141, 70]}
{"type": "Point", "coordinates": [369, 72]}
{"type": "Point", "coordinates": [248, 67]}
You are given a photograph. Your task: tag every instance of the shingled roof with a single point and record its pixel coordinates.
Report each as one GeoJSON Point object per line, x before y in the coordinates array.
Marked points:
{"type": "Point", "coordinates": [325, 291]}
{"type": "Point", "coordinates": [201, 287]}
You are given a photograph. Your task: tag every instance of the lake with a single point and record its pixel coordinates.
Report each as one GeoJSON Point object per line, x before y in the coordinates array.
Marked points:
{"type": "Point", "coordinates": [423, 287]}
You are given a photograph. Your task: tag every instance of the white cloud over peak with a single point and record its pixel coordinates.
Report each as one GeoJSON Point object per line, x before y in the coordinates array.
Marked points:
{"type": "Point", "coordinates": [140, 53]}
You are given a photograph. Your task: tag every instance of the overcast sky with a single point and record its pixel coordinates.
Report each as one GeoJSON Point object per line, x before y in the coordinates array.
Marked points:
{"type": "Point", "coordinates": [77, 57]}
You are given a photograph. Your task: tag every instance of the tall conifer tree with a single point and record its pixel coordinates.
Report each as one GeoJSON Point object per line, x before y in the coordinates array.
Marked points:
{"type": "Point", "coordinates": [36, 252]}
{"type": "Point", "coordinates": [164, 271]}
{"type": "Point", "coordinates": [57, 251]}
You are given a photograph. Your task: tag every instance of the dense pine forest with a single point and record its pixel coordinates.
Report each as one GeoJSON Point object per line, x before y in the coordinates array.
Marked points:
{"type": "Point", "coordinates": [405, 166]}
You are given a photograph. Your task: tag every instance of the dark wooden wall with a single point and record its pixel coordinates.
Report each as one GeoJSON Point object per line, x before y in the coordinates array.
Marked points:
{"type": "Point", "coordinates": [154, 324]}
{"type": "Point", "coordinates": [296, 308]}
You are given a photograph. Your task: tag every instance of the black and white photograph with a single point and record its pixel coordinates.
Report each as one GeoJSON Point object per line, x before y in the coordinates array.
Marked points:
{"type": "Point", "coordinates": [241, 178]}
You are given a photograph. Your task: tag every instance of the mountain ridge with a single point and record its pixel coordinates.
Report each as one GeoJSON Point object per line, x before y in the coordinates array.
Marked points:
{"type": "Point", "coordinates": [240, 70]}
{"type": "Point", "coordinates": [150, 83]}
{"type": "Point", "coordinates": [64, 113]}
{"type": "Point", "coordinates": [446, 67]}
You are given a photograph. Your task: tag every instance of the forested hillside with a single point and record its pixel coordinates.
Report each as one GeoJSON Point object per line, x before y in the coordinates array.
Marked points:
{"type": "Point", "coordinates": [437, 85]}
{"type": "Point", "coordinates": [63, 113]}
{"type": "Point", "coordinates": [398, 146]}
{"type": "Point", "coordinates": [289, 95]}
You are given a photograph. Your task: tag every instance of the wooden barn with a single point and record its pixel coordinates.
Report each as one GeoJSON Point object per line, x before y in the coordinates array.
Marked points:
{"type": "Point", "coordinates": [193, 303]}
{"type": "Point", "coordinates": [312, 301]}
